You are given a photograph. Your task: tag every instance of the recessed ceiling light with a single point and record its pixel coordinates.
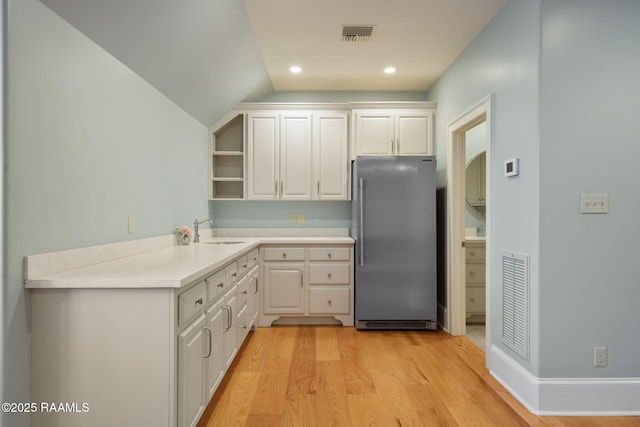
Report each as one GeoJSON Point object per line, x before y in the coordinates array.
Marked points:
{"type": "Point", "coordinates": [295, 69]}
{"type": "Point", "coordinates": [390, 70]}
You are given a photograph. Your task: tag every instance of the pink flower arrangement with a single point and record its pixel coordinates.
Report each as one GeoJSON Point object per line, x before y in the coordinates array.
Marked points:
{"type": "Point", "coordinates": [184, 234]}
{"type": "Point", "coordinates": [184, 231]}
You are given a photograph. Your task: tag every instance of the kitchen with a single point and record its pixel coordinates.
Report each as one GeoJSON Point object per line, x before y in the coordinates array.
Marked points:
{"type": "Point", "coordinates": [68, 195]}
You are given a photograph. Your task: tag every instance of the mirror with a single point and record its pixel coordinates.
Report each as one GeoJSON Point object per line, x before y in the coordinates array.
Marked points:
{"type": "Point", "coordinates": [476, 186]}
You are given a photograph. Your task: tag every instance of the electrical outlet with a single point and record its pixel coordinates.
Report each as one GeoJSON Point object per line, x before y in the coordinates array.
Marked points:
{"type": "Point", "coordinates": [594, 203]}
{"type": "Point", "coordinates": [599, 357]}
{"type": "Point", "coordinates": [294, 218]}
{"type": "Point", "coordinates": [301, 219]}
{"type": "Point", "coordinates": [130, 224]}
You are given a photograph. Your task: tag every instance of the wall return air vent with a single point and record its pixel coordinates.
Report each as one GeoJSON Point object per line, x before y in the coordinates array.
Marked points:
{"type": "Point", "coordinates": [357, 33]}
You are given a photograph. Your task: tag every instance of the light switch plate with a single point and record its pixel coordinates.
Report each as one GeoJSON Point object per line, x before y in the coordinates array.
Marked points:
{"type": "Point", "coordinates": [594, 203]}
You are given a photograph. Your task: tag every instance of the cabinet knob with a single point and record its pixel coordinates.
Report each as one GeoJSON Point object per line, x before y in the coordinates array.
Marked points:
{"type": "Point", "coordinates": [472, 253]}
{"type": "Point", "coordinates": [199, 301]}
{"type": "Point", "coordinates": [472, 299]}
{"type": "Point", "coordinates": [244, 266]}
{"type": "Point", "coordinates": [471, 273]}
{"type": "Point", "coordinates": [329, 302]}
{"type": "Point", "coordinates": [329, 275]}
{"type": "Point", "coordinates": [284, 255]}
{"type": "Point", "coordinates": [329, 255]}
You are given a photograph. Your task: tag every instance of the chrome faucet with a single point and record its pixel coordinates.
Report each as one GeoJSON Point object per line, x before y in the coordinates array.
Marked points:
{"type": "Point", "coordinates": [196, 239]}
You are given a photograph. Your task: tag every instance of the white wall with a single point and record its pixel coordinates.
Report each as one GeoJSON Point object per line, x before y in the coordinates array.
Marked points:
{"type": "Point", "coordinates": [590, 143]}
{"type": "Point", "coordinates": [503, 60]}
{"type": "Point", "coordinates": [89, 143]}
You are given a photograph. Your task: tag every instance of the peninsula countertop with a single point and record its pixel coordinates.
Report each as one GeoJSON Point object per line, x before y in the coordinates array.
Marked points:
{"type": "Point", "coordinates": [169, 267]}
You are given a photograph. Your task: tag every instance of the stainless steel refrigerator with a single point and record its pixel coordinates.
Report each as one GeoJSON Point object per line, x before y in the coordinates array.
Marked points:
{"type": "Point", "coordinates": [394, 225]}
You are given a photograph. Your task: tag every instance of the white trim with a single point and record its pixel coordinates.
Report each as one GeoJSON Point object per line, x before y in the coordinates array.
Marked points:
{"type": "Point", "coordinates": [478, 113]}
{"type": "Point", "coordinates": [565, 396]}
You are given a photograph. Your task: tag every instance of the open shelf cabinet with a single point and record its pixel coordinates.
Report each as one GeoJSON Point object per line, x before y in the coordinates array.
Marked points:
{"type": "Point", "coordinates": [228, 160]}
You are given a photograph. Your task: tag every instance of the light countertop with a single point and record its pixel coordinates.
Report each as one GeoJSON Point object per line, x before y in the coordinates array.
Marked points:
{"type": "Point", "coordinates": [169, 267]}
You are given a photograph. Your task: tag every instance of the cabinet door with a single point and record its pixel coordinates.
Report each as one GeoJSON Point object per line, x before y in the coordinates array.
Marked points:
{"type": "Point", "coordinates": [284, 288]}
{"type": "Point", "coordinates": [413, 133]}
{"type": "Point", "coordinates": [295, 157]}
{"type": "Point", "coordinates": [214, 356]}
{"type": "Point", "coordinates": [374, 133]}
{"type": "Point", "coordinates": [229, 329]}
{"type": "Point", "coordinates": [330, 157]}
{"type": "Point", "coordinates": [263, 135]}
{"type": "Point", "coordinates": [191, 377]}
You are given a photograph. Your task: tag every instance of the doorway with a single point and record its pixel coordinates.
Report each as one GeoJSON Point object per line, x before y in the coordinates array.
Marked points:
{"type": "Point", "coordinates": [456, 313]}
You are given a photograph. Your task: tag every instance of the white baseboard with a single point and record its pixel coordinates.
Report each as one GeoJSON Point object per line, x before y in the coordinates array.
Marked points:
{"type": "Point", "coordinates": [565, 396]}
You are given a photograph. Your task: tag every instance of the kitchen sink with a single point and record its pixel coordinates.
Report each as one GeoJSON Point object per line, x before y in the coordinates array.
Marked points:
{"type": "Point", "coordinates": [223, 243]}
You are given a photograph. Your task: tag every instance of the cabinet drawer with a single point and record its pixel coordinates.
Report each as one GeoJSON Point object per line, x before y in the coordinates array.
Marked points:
{"type": "Point", "coordinates": [474, 253]}
{"type": "Point", "coordinates": [329, 254]}
{"type": "Point", "coordinates": [242, 293]}
{"type": "Point", "coordinates": [252, 258]}
{"type": "Point", "coordinates": [475, 299]}
{"type": "Point", "coordinates": [191, 302]}
{"type": "Point", "coordinates": [231, 273]}
{"type": "Point", "coordinates": [474, 273]}
{"type": "Point", "coordinates": [327, 273]}
{"type": "Point", "coordinates": [283, 254]}
{"type": "Point", "coordinates": [215, 284]}
{"type": "Point", "coordinates": [243, 265]}
{"type": "Point", "coordinates": [328, 300]}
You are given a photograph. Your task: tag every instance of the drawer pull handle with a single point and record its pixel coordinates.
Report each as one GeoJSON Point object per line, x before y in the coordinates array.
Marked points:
{"type": "Point", "coordinates": [284, 255]}
{"type": "Point", "coordinates": [199, 301]}
{"type": "Point", "coordinates": [234, 275]}
{"type": "Point", "coordinates": [329, 255]}
{"type": "Point", "coordinates": [244, 292]}
{"type": "Point", "coordinates": [244, 266]}
{"type": "Point", "coordinates": [221, 285]}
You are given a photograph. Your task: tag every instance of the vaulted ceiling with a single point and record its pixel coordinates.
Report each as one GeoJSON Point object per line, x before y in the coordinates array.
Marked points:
{"type": "Point", "coordinates": [209, 55]}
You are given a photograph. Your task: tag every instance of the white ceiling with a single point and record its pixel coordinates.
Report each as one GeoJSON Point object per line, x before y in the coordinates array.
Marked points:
{"type": "Point", "coordinates": [420, 38]}
{"type": "Point", "coordinates": [209, 55]}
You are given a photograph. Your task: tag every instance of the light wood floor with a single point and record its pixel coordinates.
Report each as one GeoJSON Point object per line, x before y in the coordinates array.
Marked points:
{"type": "Point", "coordinates": [332, 376]}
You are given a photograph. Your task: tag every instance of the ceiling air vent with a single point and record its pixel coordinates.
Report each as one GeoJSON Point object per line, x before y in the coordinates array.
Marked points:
{"type": "Point", "coordinates": [357, 33]}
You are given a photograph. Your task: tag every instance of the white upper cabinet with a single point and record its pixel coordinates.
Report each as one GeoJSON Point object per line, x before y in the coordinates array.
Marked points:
{"type": "Point", "coordinates": [279, 156]}
{"type": "Point", "coordinates": [392, 132]}
{"type": "Point", "coordinates": [263, 144]}
{"type": "Point", "coordinates": [297, 155]}
{"type": "Point", "coordinates": [330, 156]}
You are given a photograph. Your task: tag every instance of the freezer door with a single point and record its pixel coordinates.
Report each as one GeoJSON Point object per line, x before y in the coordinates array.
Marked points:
{"type": "Point", "coordinates": [394, 226]}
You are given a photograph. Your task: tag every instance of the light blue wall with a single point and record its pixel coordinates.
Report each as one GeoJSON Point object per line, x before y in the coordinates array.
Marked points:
{"type": "Point", "coordinates": [503, 60]}
{"type": "Point", "coordinates": [266, 214]}
{"type": "Point", "coordinates": [590, 143]}
{"type": "Point", "coordinates": [89, 143]}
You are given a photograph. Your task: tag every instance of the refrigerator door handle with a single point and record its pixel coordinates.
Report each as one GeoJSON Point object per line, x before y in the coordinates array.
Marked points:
{"type": "Point", "coordinates": [361, 236]}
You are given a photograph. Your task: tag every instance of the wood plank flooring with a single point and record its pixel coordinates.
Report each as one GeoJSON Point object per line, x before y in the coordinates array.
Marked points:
{"type": "Point", "coordinates": [317, 376]}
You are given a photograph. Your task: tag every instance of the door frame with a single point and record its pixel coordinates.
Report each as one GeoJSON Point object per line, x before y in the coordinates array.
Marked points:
{"type": "Point", "coordinates": [455, 313]}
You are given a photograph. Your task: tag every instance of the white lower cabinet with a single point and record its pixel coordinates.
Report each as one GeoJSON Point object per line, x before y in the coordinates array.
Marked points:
{"type": "Point", "coordinates": [312, 282]}
{"type": "Point", "coordinates": [191, 375]}
{"type": "Point", "coordinates": [214, 358]}
{"type": "Point", "coordinates": [284, 288]}
{"type": "Point", "coordinates": [208, 345]}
